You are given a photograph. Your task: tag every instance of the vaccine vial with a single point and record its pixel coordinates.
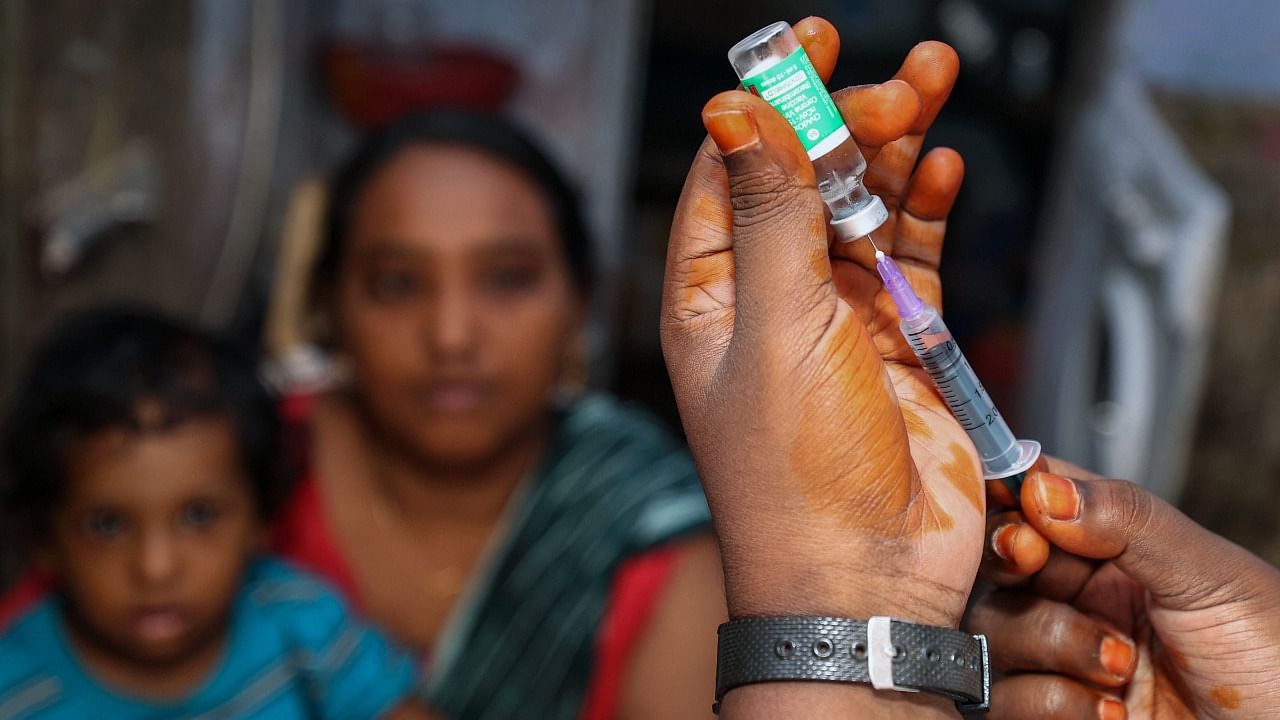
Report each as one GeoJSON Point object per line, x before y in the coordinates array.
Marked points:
{"type": "Point", "coordinates": [772, 65]}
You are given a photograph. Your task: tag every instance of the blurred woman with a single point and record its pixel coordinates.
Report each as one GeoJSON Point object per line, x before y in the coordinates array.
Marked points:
{"type": "Point", "coordinates": [549, 559]}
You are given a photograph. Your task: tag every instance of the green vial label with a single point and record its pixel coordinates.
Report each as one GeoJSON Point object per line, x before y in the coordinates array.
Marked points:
{"type": "Point", "coordinates": [793, 87]}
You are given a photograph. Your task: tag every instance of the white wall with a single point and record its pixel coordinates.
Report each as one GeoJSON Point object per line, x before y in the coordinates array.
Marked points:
{"type": "Point", "coordinates": [1228, 48]}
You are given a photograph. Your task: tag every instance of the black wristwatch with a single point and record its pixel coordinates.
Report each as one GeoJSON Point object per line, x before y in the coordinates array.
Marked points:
{"type": "Point", "coordinates": [889, 654]}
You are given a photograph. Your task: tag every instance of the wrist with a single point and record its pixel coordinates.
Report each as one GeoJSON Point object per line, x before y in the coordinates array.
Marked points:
{"type": "Point", "coordinates": [788, 589]}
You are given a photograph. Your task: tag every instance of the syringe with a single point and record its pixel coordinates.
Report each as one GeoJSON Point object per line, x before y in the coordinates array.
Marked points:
{"type": "Point", "coordinates": [773, 65]}
{"type": "Point", "coordinates": [1004, 457]}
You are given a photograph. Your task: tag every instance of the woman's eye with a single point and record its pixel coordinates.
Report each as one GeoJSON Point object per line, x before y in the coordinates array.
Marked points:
{"type": "Point", "coordinates": [105, 524]}
{"type": "Point", "coordinates": [503, 279]}
{"type": "Point", "coordinates": [199, 514]}
{"type": "Point", "coordinates": [392, 285]}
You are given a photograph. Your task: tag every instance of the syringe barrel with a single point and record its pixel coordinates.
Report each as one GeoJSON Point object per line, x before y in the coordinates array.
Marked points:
{"type": "Point", "coordinates": [961, 390]}
{"type": "Point", "coordinates": [773, 65]}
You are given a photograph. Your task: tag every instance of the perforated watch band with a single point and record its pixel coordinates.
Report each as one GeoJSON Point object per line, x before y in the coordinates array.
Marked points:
{"type": "Point", "coordinates": [914, 657]}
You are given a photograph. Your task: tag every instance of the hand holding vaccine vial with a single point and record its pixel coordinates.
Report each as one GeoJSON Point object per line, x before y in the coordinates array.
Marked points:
{"type": "Point", "coordinates": [772, 64]}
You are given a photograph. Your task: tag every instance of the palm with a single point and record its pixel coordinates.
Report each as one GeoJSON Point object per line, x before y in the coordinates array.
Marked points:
{"type": "Point", "coordinates": [951, 501]}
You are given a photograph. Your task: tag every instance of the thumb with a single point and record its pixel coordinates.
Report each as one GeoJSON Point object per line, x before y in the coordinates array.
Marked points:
{"type": "Point", "coordinates": [779, 221]}
{"type": "Point", "coordinates": [1183, 565]}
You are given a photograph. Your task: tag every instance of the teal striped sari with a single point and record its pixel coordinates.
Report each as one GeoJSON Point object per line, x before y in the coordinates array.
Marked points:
{"type": "Point", "coordinates": [521, 645]}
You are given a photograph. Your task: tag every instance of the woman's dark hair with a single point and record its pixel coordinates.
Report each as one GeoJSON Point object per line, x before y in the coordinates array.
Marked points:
{"type": "Point", "coordinates": [132, 369]}
{"type": "Point", "coordinates": [486, 132]}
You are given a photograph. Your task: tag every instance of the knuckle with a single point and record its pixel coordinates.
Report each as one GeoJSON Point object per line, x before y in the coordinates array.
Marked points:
{"type": "Point", "coordinates": [1057, 699]}
{"type": "Point", "coordinates": [1056, 631]}
{"type": "Point", "coordinates": [1061, 640]}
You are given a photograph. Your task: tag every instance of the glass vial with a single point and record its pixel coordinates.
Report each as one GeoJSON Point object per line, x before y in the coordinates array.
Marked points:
{"type": "Point", "coordinates": [772, 65]}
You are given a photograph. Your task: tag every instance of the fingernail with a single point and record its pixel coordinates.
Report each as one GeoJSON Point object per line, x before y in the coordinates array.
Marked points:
{"type": "Point", "coordinates": [1058, 496]}
{"type": "Point", "coordinates": [1116, 655]}
{"type": "Point", "coordinates": [1109, 709]}
{"type": "Point", "coordinates": [732, 129]}
{"type": "Point", "coordinates": [1004, 541]}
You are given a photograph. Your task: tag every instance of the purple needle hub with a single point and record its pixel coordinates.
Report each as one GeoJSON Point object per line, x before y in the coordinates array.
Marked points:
{"type": "Point", "coordinates": [909, 304]}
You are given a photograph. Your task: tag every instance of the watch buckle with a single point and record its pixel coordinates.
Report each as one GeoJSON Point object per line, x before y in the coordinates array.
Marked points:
{"type": "Point", "coordinates": [981, 707]}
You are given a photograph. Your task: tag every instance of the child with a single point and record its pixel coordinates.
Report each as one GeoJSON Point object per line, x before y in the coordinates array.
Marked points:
{"type": "Point", "coordinates": [143, 463]}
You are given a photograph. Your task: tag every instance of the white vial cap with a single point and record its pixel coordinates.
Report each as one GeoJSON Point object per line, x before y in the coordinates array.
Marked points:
{"type": "Point", "coordinates": [862, 222]}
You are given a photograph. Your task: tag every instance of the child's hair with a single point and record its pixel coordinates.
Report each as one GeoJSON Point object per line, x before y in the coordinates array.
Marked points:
{"type": "Point", "coordinates": [133, 369]}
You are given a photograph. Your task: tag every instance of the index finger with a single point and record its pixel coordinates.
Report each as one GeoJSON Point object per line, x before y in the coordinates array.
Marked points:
{"type": "Point", "coordinates": [878, 114]}
{"type": "Point", "coordinates": [931, 68]}
{"type": "Point", "coordinates": [875, 114]}
{"type": "Point", "coordinates": [821, 42]}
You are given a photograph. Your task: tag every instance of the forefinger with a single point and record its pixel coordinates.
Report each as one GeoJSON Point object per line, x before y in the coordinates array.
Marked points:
{"type": "Point", "coordinates": [930, 69]}
{"type": "Point", "coordinates": [875, 114]}
{"type": "Point", "coordinates": [878, 114]}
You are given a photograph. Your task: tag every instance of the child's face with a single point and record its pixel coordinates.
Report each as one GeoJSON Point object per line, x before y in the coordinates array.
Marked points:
{"type": "Point", "coordinates": [152, 539]}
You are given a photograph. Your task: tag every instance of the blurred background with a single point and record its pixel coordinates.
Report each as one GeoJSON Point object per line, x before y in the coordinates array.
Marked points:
{"type": "Point", "coordinates": [1111, 267]}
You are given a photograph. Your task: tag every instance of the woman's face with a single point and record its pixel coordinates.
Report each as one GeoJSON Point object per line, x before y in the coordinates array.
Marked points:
{"type": "Point", "coordinates": [454, 303]}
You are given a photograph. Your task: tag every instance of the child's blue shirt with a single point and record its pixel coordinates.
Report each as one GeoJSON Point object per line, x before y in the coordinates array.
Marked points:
{"type": "Point", "coordinates": [293, 651]}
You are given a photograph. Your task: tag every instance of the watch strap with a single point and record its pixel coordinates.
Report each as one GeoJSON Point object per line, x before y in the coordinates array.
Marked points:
{"type": "Point", "coordinates": [911, 658]}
